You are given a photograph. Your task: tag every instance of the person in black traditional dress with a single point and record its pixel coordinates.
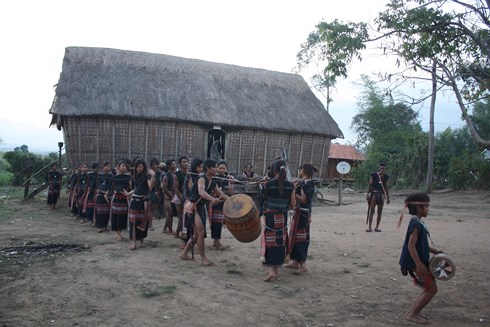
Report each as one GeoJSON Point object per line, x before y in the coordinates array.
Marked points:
{"type": "Point", "coordinates": [200, 197]}
{"type": "Point", "coordinates": [179, 189]}
{"type": "Point", "coordinates": [277, 198]}
{"type": "Point", "coordinates": [225, 184]}
{"type": "Point", "coordinates": [53, 179]}
{"type": "Point", "coordinates": [121, 186]}
{"type": "Point", "coordinates": [143, 181]}
{"type": "Point", "coordinates": [160, 211]}
{"type": "Point", "coordinates": [102, 201]}
{"type": "Point", "coordinates": [168, 182]}
{"type": "Point", "coordinates": [153, 196]}
{"type": "Point", "coordinates": [72, 191]}
{"type": "Point", "coordinates": [188, 216]}
{"type": "Point", "coordinates": [81, 188]}
{"type": "Point", "coordinates": [248, 173]}
{"type": "Point", "coordinates": [299, 234]}
{"type": "Point", "coordinates": [91, 193]}
{"type": "Point", "coordinates": [376, 194]}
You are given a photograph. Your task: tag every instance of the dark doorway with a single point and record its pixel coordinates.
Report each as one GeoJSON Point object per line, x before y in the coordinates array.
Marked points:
{"type": "Point", "coordinates": [216, 144]}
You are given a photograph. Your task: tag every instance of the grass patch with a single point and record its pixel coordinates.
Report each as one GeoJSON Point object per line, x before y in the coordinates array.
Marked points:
{"type": "Point", "coordinates": [116, 255]}
{"type": "Point", "coordinates": [286, 293]}
{"type": "Point", "coordinates": [149, 292]}
{"type": "Point", "coordinates": [234, 272]}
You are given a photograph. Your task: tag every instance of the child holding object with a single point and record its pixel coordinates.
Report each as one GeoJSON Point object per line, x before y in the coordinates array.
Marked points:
{"type": "Point", "coordinates": [414, 259]}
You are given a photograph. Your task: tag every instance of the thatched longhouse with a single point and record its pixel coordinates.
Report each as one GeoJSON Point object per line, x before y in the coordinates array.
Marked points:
{"type": "Point", "coordinates": [114, 104]}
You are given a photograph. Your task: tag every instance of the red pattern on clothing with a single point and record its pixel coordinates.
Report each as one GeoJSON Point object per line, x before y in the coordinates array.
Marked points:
{"type": "Point", "coordinates": [217, 216]}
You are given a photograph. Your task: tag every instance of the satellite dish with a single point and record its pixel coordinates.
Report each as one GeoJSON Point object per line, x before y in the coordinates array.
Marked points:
{"type": "Point", "coordinates": [343, 167]}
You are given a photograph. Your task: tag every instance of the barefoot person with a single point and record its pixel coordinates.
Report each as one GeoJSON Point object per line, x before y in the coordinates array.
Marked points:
{"type": "Point", "coordinates": [102, 201]}
{"type": "Point", "coordinates": [414, 259]}
{"type": "Point", "coordinates": [81, 187]}
{"type": "Point", "coordinates": [73, 191]}
{"type": "Point", "coordinates": [143, 181]}
{"type": "Point", "coordinates": [121, 185]}
{"type": "Point", "coordinates": [376, 194]}
{"type": "Point", "coordinates": [91, 193]}
{"type": "Point", "coordinates": [187, 210]}
{"type": "Point", "coordinates": [179, 190]}
{"type": "Point", "coordinates": [225, 183]}
{"type": "Point", "coordinates": [168, 182]}
{"type": "Point", "coordinates": [53, 180]}
{"type": "Point", "coordinates": [277, 197]}
{"type": "Point", "coordinates": [299, 237]}
{"type": "Point", "coordinates": [153, 196]}
{"type": "Point", "coordinates": [200, 197]}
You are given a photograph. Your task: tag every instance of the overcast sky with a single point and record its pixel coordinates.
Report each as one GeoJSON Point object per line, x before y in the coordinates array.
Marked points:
{"type": "Point", "coordinates": [260, 34]}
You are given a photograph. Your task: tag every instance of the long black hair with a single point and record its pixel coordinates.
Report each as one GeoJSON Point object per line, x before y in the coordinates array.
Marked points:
{"type": "Point", "coordinates": [138, 162]}
{"type": "Point", "coordinates": [308, 169]}
{"type": "Point", "coordinates": [279, 169]}
{"type": "Point", "coordinates": [196, 162]}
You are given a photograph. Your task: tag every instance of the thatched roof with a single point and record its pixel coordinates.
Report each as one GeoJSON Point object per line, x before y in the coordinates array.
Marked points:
{"type": "Point", "coordinates": [109, 82]}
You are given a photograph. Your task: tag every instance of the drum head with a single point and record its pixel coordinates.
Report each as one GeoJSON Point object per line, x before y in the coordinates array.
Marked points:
{"type": "Point", "coordinates": [237, 206]}
{"type": "Point", "coordinates": [442, 267]}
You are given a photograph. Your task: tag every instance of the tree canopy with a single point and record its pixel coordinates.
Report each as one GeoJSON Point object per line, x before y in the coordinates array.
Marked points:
{"type": "Point", "coordinates": [452, 34]}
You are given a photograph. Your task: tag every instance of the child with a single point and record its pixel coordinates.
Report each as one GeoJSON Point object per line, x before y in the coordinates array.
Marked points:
{"type": "Point", "coordinates": [415, 256]}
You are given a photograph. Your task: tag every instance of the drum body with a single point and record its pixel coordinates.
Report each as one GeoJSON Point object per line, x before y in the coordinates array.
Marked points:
{"type": "Point", "coordinates": [442, 267]}
{"type": "Point", "coordinates": [242, 218]}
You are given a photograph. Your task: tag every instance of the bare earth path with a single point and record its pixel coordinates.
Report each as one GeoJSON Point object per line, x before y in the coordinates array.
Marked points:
{"type": "Point", "coordinates": [354, 278]}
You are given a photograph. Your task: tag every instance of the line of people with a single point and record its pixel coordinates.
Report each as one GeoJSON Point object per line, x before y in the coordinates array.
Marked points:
{"type": "Point", "coordinates": [130, 195]}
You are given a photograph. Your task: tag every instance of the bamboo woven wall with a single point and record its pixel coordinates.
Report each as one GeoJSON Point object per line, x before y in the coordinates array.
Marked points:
{"type": "Point", "coordinates": [112, 139]}
{"type": "Point", "coordinates": [301, 148]}
{"type": "Point", "coordinates": [102, 139]}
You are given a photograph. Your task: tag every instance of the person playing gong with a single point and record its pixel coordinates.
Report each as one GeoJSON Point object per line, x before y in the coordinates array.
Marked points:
{"type": "Point", "coordinates": [414, 259]}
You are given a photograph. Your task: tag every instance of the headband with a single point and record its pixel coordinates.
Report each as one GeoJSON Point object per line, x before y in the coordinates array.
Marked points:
{"type": "Point", "coordinates": [405, 206]}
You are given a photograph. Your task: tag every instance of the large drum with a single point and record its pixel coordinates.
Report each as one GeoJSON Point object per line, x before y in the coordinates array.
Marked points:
{"type": "Point", "coordinates": [242, 218]}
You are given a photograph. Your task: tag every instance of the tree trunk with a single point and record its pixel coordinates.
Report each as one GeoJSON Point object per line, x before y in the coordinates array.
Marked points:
{"type": "Point", "coordinates": [430, 159]}
{"type": "Point", "coordinates": [474, 133]}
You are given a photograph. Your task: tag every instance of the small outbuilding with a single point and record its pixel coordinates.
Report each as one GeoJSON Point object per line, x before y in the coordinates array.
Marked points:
{"type": "Point", "coordinates": [342, 152]}
{"type": "Point", "coordinates": [114, 104]}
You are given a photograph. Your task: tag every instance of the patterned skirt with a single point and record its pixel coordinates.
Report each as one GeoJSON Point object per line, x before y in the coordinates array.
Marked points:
{"type": "Point", "coordinates": [119, 213]}
{"type": "Point", "coordinates": [300, 237]}
{"type": "Point", "coordinates": [90, 205]}
{"type": "Point", "coordinates": [102, 211]}
{"type": "Point", "coordinates": [274, 238]}
{"type": "Point", "coordinates": [217, 219]}
{"type": "Point", "coordinates": [137, 218]}
{"type": "Point", "coordinates": [53, 194]}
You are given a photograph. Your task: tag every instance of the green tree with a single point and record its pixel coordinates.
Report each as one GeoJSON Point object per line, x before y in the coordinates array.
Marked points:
{"type": "Point", "coordinates": [332, 45]}
{"type": "Point", "coordinates": [442, 41]}
{"type": "Point", "coordinates": [389, 132]}
{"type": "Point", "coordinates": [444, 38]}
{"type": "Point", "coordinates": [450, 144]}
{"type": "Point", "coordinates": [22, 164]}
{"type": "Point", "coordinates": [481, 118]}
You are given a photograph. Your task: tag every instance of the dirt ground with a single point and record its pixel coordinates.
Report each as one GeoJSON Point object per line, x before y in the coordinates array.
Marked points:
{"type": "Point", "coordinates": [354, 277]}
